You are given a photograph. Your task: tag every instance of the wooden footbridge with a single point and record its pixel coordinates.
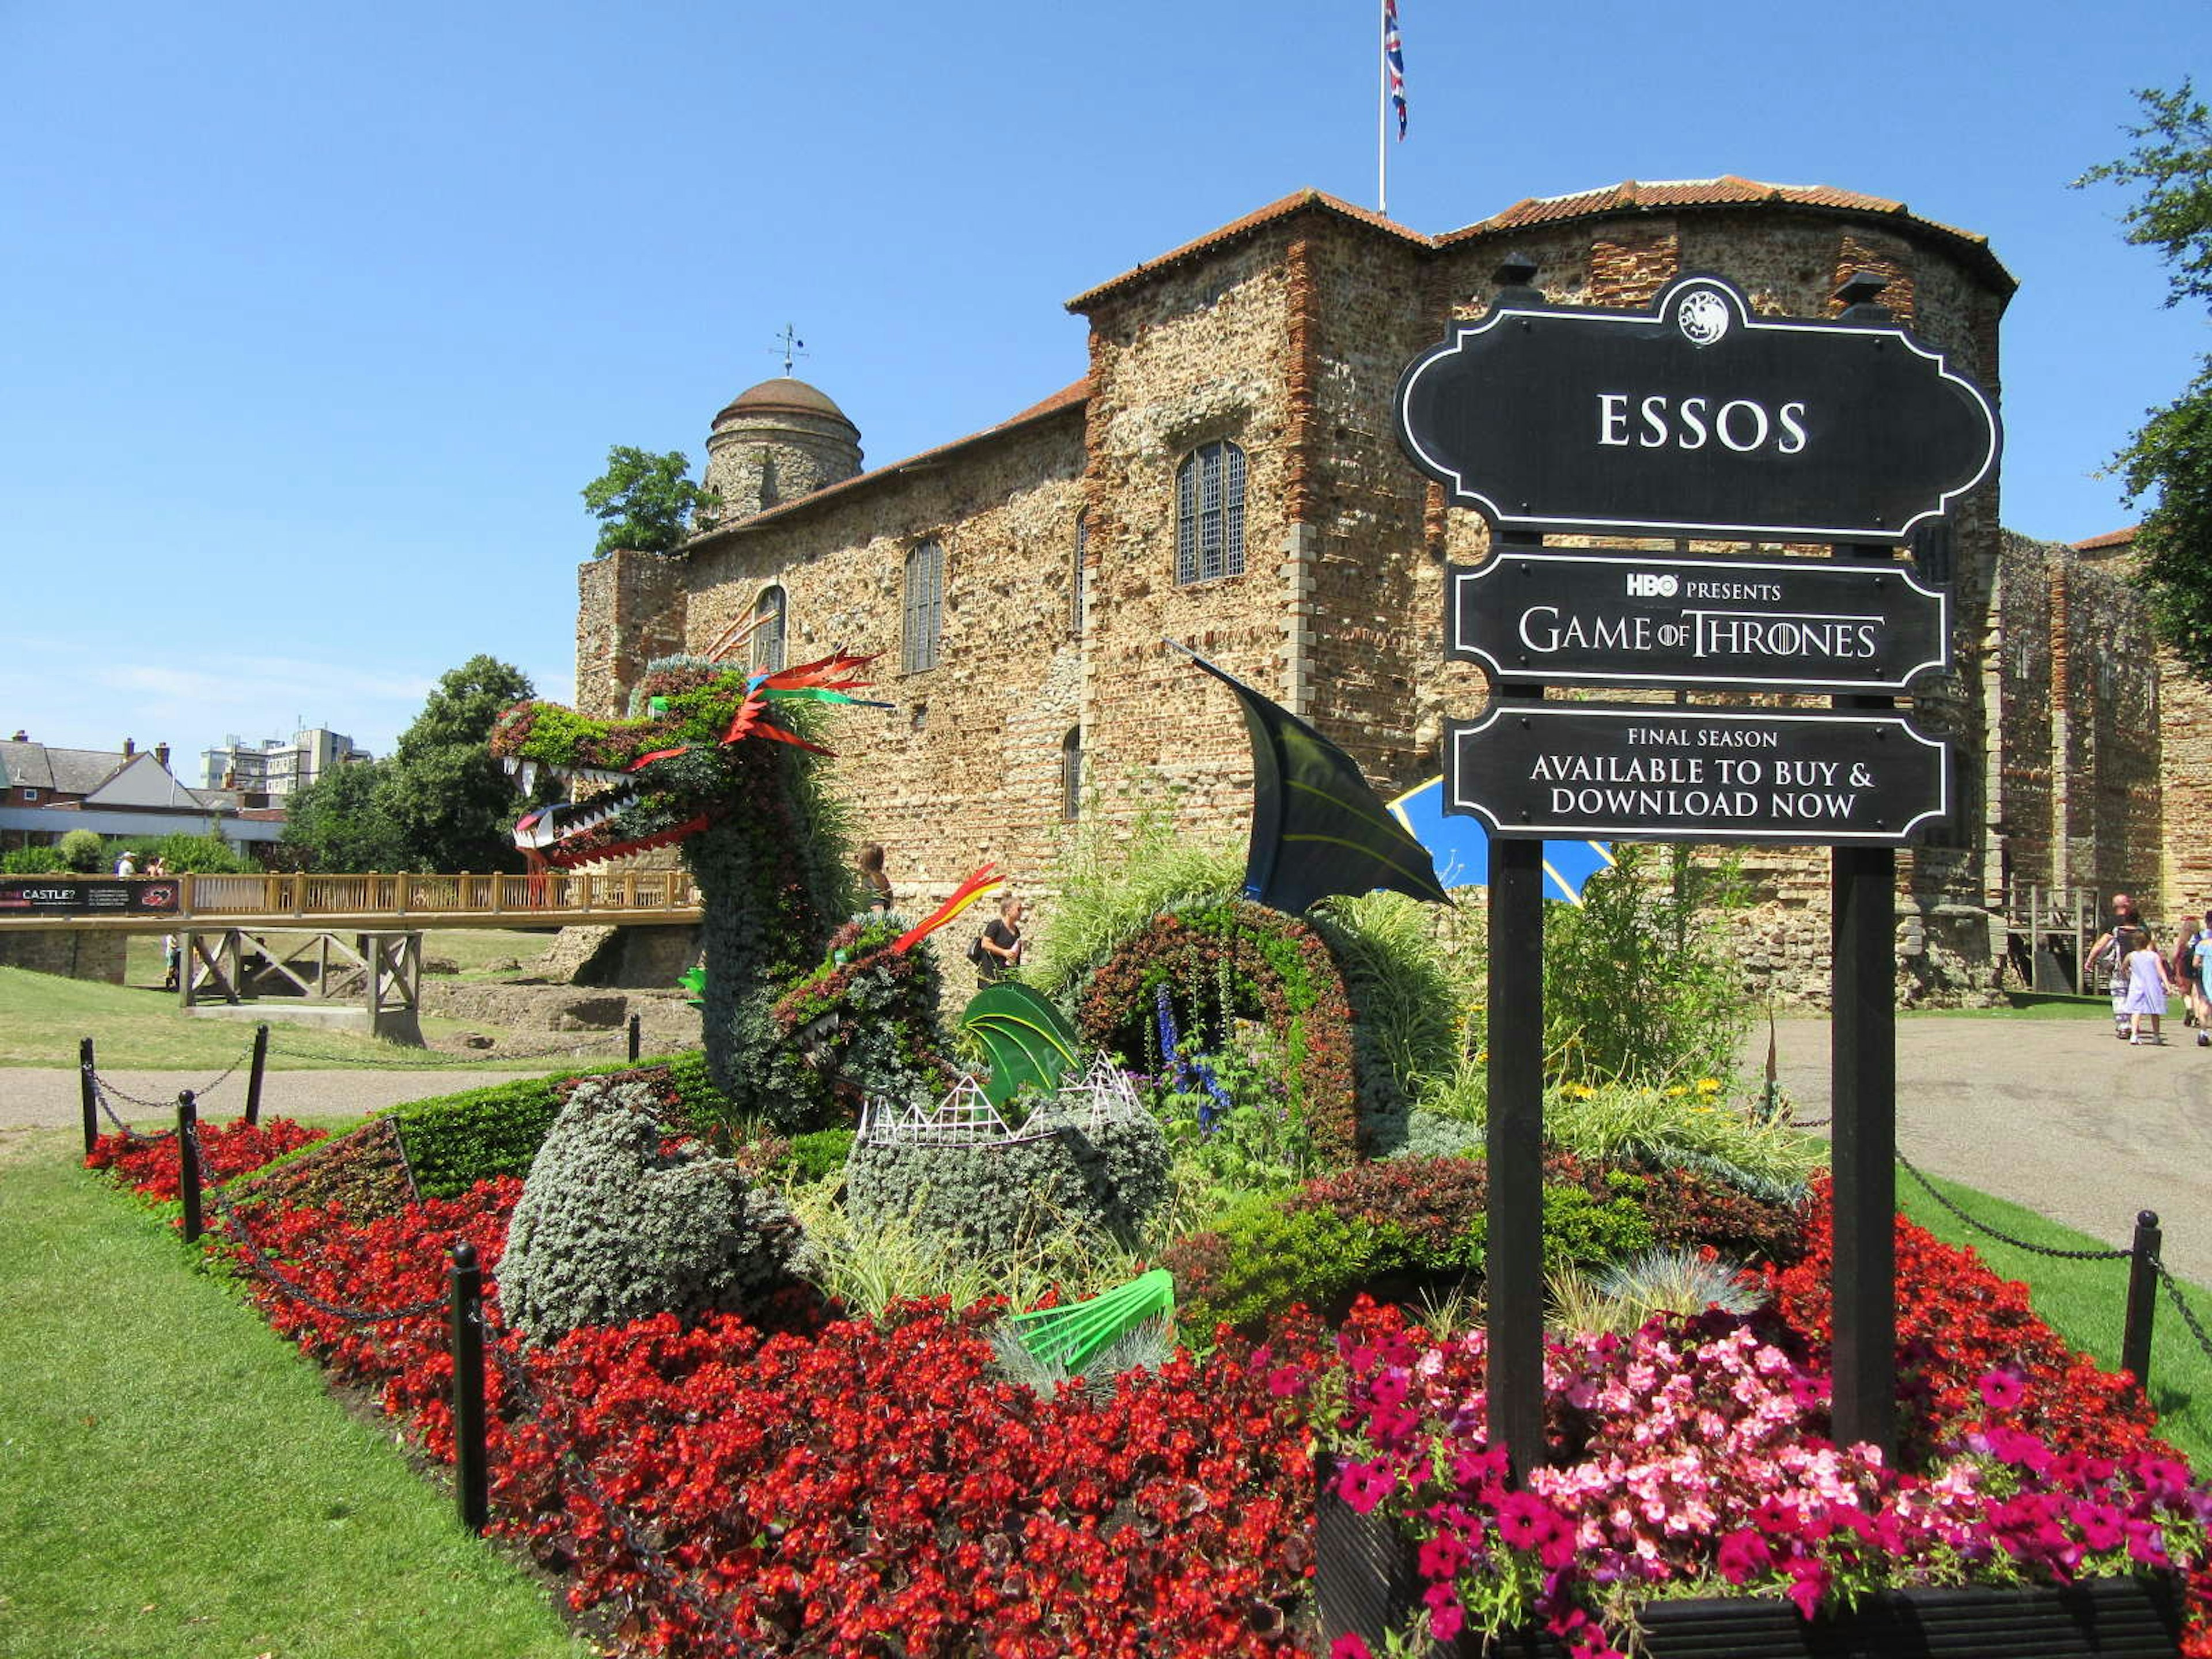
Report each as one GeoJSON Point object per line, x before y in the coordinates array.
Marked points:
{"type": "Point", "coordinates": [375, 902]}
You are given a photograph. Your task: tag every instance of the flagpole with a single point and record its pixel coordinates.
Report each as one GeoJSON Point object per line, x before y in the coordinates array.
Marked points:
{"type": "Point", "coordinates": [1382, 108]}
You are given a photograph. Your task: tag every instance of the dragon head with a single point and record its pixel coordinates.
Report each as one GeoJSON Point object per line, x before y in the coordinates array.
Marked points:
{"type": "Point", "coordinates": [703, 736]}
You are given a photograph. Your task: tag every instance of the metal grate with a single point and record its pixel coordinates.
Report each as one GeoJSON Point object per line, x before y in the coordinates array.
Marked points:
{"type": "Point", "coordinates": [1210, 513]}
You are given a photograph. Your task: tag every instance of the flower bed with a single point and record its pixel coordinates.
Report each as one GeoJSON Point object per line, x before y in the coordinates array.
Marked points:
{"type": "Point", "coordinates": [149, 1168]}
{"type": "Point", "coordinates": [857, 1489]}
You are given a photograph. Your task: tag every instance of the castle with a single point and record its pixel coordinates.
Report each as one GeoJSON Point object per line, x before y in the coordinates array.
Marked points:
{"type": "Point", "coordinates": [1225, 474]}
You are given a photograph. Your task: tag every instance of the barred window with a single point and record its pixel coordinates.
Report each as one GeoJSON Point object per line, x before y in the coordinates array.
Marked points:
{"type": "Point", "coordinates": [924, 610]}
{"type": "Point", "coordinates": [1071, 774]}
{"type": "Point", "coordinates": [1210, 513]}
{"type": "Point", "coordinates": [768, 637]}
{"type": "Point", "coordinates": [1075, 618]}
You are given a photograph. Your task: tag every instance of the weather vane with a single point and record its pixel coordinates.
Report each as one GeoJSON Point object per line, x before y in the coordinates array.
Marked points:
{"type": "Point", "coordinates": [792, 346]}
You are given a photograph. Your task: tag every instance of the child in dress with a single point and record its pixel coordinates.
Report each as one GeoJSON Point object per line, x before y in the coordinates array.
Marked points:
{"type": "Point", "coordinates": [2150, 982]}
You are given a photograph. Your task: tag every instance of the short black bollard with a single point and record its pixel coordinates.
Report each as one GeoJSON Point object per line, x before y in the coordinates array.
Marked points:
{"type": "Point", "coordinates": [253, 1077]}
{"type": "Point", "coordinates": [470, 1487]}
{"type": "Point", "coordinates": [633, 1037]}
{"type": "Point", "coordinates": [2143, 1300]}
{"type": "Point", "coordinates": [188, 1163]}
{"type": "Point", "coordinates": [88, 1093]}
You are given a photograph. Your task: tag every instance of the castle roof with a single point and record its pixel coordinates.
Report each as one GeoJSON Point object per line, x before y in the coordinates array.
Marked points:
{"type": "Point", "coordinates": [783, 396]}
{"type": "Point", "coordinates": [1633, 196]}
{"type": "Point", "coordinates": [2111, 541]}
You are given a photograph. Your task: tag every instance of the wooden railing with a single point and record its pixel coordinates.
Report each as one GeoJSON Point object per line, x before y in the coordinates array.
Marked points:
{"type": "Point", "coordinates": [551, 895]}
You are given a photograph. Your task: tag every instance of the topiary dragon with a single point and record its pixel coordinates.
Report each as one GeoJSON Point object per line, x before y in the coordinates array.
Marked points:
{"type": "Point", "coordinates": [718, 762]}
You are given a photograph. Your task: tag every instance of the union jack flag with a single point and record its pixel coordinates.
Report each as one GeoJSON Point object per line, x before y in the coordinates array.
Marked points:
{"type": "Point", "coordinates": [1393, 55]}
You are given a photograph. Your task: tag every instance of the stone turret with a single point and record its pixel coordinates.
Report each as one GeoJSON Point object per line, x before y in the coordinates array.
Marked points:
{"type": "Point", "coordinates": [776, 442]}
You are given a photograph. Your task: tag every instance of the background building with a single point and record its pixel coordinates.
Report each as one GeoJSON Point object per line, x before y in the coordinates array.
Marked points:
{"type": "Point", "coordinates": [274, 768]}
{"type": "Point", "coordinates": [117, 793]}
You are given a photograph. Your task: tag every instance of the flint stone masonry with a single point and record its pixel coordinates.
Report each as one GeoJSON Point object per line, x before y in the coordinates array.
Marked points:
{"type": "Point", "coordinates": [1285, 333]}
{"type": "Point", "coordinates": [73, 953]}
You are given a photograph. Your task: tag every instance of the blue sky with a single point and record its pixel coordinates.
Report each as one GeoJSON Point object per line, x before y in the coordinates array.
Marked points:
{"type": "Point", "coordinates": [317, 318]}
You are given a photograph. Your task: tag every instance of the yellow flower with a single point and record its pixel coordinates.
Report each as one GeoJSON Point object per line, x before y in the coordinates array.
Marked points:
{"type": "Point", "coordinates": [1709, 1086]}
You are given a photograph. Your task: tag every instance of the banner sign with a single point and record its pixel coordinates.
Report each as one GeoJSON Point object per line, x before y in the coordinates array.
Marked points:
{"type": "Point", "coordinates": [77, 895]}
{"type": "Point", "coordinates": [1615, 770]}
{"type": "Point", "coordinates": [1696, 418]}
{"type": "Point", "coordinates": [1600, 618]}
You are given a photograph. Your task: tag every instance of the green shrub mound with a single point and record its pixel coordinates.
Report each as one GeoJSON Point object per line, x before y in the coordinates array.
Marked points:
{"type": "Point", "coordinates": [1424, 1219]}
{"type": "Point", "coordinates": [863, 1024]}
{"type": "Point", "coordinates": [610, 1227]}
{"type": "Point", "coordinates": [453, 1141]}
{"type": "Point", "coordinates": [1064, 1173]}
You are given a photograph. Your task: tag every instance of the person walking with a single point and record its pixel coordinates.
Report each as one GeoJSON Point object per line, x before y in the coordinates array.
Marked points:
{"type": "Point", "coordinates": [2109, 951]}
{"type": "Point", "coordinates": [128, 863]}
{"type": "Point", "coordinates": [2150, 982]}
{"type": "Point", "coordinates": [2187, 932]}
{"type": "Point", "coordinates": [2200, 974]}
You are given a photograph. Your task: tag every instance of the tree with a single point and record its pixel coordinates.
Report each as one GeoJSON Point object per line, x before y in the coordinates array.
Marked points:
{"type": "Point", "coordinates": [648, 502]}
{"type": "Point", "coordinates": [338, 821]}
{"type": "Point", "coordinates": [450, 805]}
{"type": "Point", "coordinates": [2171, 455]}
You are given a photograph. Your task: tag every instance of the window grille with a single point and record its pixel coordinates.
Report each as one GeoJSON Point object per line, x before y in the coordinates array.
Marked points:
{"type": "Point", "coordinates": [768, 638]}
{"type": "Point", "coordinates": [924, 623]}
{"type": "Point", "coordinates": [1071, 775]}
{"type": "Point", "coordinates": [1210, 513]}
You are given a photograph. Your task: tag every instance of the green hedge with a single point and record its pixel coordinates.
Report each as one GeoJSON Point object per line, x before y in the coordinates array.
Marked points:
{"type": "Point", "coordinates": [454, 1141]}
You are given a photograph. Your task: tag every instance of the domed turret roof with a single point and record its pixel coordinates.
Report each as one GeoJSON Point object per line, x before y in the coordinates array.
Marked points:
{"type": "Point", "coordinates": [783, 396]}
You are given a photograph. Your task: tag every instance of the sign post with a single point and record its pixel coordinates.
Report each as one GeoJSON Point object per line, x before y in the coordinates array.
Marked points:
{"type": "Point", "coordinates": [1697, 419]}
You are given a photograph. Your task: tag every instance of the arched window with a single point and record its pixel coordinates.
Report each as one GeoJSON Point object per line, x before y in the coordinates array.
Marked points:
{"type": "Point", "coordinates": [1210, 513]}
{"type": "Point", "coordinates": [768, 637]}
{"type": "Point", "coordinates": [923, 613]}
{"type": "Point", "coordinates": [1075, 617]}
{"type": "Point", "coordinates": [1071, 774]}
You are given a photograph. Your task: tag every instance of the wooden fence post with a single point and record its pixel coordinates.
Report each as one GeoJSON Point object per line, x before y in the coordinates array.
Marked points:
{"type": "Point", "coordinates": [88, 1090]}
{"type": "Point", "coordinates": [471, 1487]}
{"type": "Point", "coordinates": [188, 1163]}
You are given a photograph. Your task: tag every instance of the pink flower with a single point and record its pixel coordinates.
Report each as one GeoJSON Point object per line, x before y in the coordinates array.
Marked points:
{"type": "Point", "coordinates": [1444, 1622]}
{"type": "Point", "coordinates": [1474, 1468]}
{"type": "Point", "coordinates": [2102, 1525]}
{"type": "Point", "coordinates": [1524, 1521]}
{"type": "Point", "coordinates": [2001, 1390]}
{"type": "Point", "coordinates": [1350, 1645]}
{"type": "Point", "coordinates": [1363, 1485]}
{"type": "Point", "coordinates": [1808, 1584]}
{"type": "Point", "coordinates": [1286, 1380]}
{"type": "Point", "coordinates": [1744, 1555]}
{"type": "Point", "coordinates": [1443, 1556]}
{"type": "Point", "coordinates": [1388, 1388]}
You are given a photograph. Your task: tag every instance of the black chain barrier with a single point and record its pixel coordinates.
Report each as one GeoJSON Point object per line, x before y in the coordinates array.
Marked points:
{"type": "Point", "coordinates": [2007, 1238]}
{"type": "Point", "coordinates": [201, 1093]}
{"type": "Point", "coordinates": [2181, 1306]}
{"type": "Point", "coordinates": [267, 1265]}
{"type": "Point", "coordinates": [134, 1137]}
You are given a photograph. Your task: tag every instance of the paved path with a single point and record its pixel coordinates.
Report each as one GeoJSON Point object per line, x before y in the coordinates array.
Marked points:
{"type": "Point", "coordinates": [2051, 1114]}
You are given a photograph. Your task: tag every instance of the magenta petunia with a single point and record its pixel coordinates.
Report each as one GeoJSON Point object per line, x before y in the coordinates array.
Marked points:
{"type": "Point", "coordinates": [1524, 1521]}
{"type": "Point", "coordinates": [2102, 1527]}
{"type": "Point", "coordinates": [2003, 1390]}
{"type": "Point", "coordinates": [1744, 1554]}
{"type": "Point", "coordinates": [1363, 1485]}
{"type": "Point", "coordinates": [1350, 1645]}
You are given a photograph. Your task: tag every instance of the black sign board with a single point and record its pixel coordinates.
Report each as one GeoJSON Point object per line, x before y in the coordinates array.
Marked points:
{"type": "Point", "coordinates": [1695, 418]}
{"type": "Point", "coordinates": [1607, 618]}
{"type": "Point", "coordinates": [79, 896]}
{"type": "Point", "coordinates": [1599, 770]}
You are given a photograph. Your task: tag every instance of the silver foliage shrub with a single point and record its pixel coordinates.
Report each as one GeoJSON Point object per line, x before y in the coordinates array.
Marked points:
{"type": "Point", "coordinates": [610, 1228]}
{"type": "Point", "coordinates": [1061, 1173]}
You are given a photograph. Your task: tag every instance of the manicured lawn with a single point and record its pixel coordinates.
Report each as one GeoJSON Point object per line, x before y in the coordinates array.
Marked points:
{"type": "Point", "coordinates": [175, 1481]}
{"type": "Point", "coordinates": [2085, 1302]}
{"type": "Point", "coordinates": [43, 1016]}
